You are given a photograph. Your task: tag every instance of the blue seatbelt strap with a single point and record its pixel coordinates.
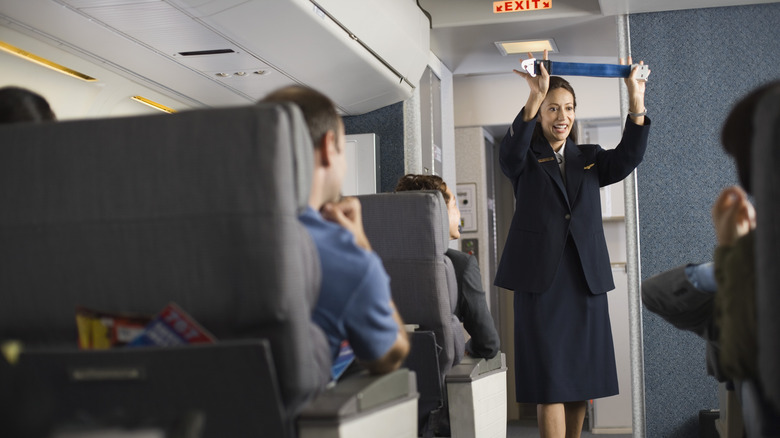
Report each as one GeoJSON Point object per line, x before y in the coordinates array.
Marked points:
{"type": "Point", "coordinates": [583, 69]}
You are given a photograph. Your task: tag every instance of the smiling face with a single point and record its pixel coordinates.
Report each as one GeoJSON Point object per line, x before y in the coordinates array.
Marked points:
{"type": "Point", "coordinates": [557, 116]}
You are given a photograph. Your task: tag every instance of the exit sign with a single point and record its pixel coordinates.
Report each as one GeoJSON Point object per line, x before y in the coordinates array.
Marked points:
{"type": "Point", "coordinates": [521, 6]}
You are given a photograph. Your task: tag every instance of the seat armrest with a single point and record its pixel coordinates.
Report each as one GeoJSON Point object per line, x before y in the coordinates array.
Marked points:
{"type": "Point", "coordinates": [361, 393]}
{"type": "Point", "coordinates": [473, 368]}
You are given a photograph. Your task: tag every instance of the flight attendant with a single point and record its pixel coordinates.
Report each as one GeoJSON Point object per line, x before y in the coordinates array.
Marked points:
{"type": "Point", "coordinates": [555, 258]}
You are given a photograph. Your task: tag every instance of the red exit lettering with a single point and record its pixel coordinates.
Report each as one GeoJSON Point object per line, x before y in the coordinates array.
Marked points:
{"type": "Point", "coordinates": [520, 6]}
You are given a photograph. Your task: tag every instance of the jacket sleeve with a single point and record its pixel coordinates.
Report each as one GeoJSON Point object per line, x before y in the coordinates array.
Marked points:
{"type": "Point", "coordinates": [473, 311]}
{"type": "Point", "coordinates": [616, 164]}
{"type": "Point", "coordinates": [735, 308]}
{"type": "Point", "coordinates": [514, 146]}
{"type": "Point", "coordinates": [672, 296]}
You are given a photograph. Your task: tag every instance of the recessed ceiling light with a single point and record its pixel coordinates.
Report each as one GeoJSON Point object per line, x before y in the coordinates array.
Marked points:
{"type": "Point", "coordinates": [525, 46]}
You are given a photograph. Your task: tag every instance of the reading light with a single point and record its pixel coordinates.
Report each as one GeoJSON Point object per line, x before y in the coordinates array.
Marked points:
{"type": "Point", "coordinates": [153, 104]}
{"type": "Point", "coordinates": [44, 62]}
{"type": "Point", "coordinates": [525, 46]}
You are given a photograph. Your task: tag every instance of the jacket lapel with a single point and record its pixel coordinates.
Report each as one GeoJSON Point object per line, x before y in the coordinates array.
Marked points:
{"type": "Point", "coordinates": [575, 163]}
{"type": "Point", "coordinates": [546, 158]}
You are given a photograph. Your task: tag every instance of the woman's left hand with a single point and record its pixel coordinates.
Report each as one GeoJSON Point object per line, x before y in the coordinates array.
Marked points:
{"type": "Point", "coordinates": [636, 91]}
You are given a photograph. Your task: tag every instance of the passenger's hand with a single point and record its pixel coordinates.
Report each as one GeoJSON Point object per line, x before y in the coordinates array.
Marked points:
{"type": "Point", "coordinates": [732, 215]}
{"type": "Point", "coordinates": [538, 85]}
{"type": "Point", "coordinates": [347, 212]}
{"type": "Point", "coordinates": [636, 89]}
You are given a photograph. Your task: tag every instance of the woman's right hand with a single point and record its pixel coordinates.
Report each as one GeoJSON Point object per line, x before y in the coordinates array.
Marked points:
{"type": "Point", "coordinates": [540, 83]}
{"type": "Point", "coordinates": [538, 86]}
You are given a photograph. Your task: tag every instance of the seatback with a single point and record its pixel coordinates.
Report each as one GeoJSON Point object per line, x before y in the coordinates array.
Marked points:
{"type": "Point", "coordinates": [766, 189]}
{"type": "Point", "coordinates": [226, 389]}
{"type": "Point", "coordinates": [128, 214]}
{"type": "Point", "coordinates": [410, 232]}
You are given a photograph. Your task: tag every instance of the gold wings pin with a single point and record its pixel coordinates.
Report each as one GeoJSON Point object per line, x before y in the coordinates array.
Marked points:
{"type": "Point", "coordinates": [589, 166]}
{"type": "Point", "coordinates": [544, 160]}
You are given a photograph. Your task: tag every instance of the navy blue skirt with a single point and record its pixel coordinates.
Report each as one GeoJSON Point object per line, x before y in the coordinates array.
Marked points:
{"type": "Point", "coordinates": [563, 340]}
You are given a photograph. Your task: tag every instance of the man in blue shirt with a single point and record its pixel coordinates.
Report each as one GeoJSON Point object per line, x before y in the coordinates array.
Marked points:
{"type": "Point", "coordinates": [354, 302]}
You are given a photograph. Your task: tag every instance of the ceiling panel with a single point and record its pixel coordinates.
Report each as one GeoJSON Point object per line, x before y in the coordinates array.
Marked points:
{"type": "Point", "coordinates": [463, 32]}
{"type": "Point", "coordinates": [453, 13]}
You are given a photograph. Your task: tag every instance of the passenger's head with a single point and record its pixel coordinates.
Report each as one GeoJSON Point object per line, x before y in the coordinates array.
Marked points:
{"type": "Point", "coordinates": [556, 115]}
{"type": "Point", "coordinates": [434, 182]}
{"type": "Point", "coordinates": [327, 134]}
{"type": "Point", "coordinates": [318, 110]}
{"type": "Point", "coordinates": [737, 133]}
{"type": "Point", "coordinates": [21, 105]}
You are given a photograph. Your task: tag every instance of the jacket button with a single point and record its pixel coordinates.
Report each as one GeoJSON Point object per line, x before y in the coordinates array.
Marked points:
{"type": "Point", "coordinates": [568, 216]}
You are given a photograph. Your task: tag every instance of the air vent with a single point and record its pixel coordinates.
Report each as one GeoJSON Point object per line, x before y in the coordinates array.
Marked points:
{"type": "Point", "coordinates": [207, 52]}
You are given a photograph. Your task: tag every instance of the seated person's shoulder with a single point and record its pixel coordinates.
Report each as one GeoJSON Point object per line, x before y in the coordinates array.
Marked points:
{"type": "Point", "coordinates": [458, 257]}
{"type": "Point", "coordinates": [462, 261]}
{"type": "Point", "coordinates": [333, 240]}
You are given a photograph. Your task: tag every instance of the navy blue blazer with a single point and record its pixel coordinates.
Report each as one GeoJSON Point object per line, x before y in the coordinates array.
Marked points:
{"type": "Point", "coordinates": [547, 210]}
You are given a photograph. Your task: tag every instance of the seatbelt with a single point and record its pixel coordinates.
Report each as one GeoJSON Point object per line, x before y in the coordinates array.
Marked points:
{"type": "Point", "coordinates": [583, 69]}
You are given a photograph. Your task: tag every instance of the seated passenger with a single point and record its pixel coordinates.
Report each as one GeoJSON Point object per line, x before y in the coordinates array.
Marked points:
{"type": "Point", "coordinates": [354, 303]}
{"type": "Point", "coordinates": [685, 297]}
{"type": "Point", "coordinates": [471, 308]}
{"type": "Point", "coordinates": [21, 105]}
{"type": "Point", "coordinates": [717, 300]}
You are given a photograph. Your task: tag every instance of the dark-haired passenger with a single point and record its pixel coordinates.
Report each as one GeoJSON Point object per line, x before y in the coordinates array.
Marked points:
{"type": "Point", "coordinates": [354, 303]}
{"type": "Point", "coordinates": [471, 308]}
{"type": "Point", "coordinates": [22, 105]}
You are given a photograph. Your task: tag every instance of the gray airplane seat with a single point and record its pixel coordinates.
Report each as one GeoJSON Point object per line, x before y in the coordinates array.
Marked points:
{"type": "Point", "coordinates": [222, 389]}
{"type": "Point", "coordinates": [766, 189]}
{"type": "Point", "coordinates": [130, 214]}
{"type": "Point", "coordinates": [410, 232]}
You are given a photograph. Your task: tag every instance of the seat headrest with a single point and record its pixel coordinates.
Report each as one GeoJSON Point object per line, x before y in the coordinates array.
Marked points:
{"type": "Point", "coordinates": [393, 219]}
{"type": "Point", "coordinates": [303, 151]}
{"type": "Point", "coordinates": [766, 189]}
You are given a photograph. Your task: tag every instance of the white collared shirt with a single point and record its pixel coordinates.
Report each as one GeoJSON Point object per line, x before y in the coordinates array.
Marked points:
{"type": "Point", "coordinates": [560, 156]}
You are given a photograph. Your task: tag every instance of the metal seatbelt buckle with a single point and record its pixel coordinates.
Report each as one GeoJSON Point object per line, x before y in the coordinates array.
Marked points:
{"type": "Point", "coordinates": [643, 72]}
{"type": "Point", "coordinates": [532, 66]}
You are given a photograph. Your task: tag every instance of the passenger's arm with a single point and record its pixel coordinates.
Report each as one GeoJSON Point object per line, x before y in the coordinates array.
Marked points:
{"type": "Point", "coordinates": [397, 353]}
{"type": "Point", "coordinates": [348, 213]}
{"type": "Point", "coordinates": [475, 314]}
{"type": "Point", "coordinates": [735, 303]}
